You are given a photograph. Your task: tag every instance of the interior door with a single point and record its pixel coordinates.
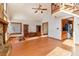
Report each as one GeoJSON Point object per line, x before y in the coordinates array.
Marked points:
{"type": "Point", "coordinates": [25, 26]}
{"type": "Point", "coordinates": [45, 28]}
{"type": "Point", "coordinates": [38, 30]}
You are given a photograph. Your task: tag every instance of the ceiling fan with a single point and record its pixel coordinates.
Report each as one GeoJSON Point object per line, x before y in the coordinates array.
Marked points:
{"type": "Point", "coordinates": [40, 9]}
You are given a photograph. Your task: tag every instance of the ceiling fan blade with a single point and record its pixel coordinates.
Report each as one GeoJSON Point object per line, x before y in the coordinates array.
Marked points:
{"type": "Point", "coordinates": [36, 11]}
{"type": "Point", "coordinates": [40, 6]}
{"type": "Point", "coordinates": [75, 10]}
{"type": "Point", "coordinates": [34, 8]}
{"type": "Point", "coordinates": [43, 9]}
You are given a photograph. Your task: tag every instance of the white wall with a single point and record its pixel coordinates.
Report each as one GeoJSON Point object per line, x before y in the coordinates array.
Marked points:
{"type": "Point", "coordinates": [54, 23]}
{"type": "Point", "coordinates": [76, 30]}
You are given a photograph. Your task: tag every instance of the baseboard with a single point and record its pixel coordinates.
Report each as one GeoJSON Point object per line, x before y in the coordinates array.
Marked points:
{"type": "Point", "coordinates": [77, 44]}
{"type": "Point", "coordinates": [54, 38]}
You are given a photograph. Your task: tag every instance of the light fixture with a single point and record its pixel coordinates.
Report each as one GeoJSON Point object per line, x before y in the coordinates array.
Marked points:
{"type": "Point", "coordinates": [39, 9]}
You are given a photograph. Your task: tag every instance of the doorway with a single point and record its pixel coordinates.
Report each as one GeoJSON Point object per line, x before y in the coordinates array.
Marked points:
{"type": "Point", "coordinates": [25, 27]}
{"type": "Point", "coordinates": [67, 28]}
{"type": "Point", "coordinates": [38, 30]}
{"type": "Point", "coordinates": [45, 28]}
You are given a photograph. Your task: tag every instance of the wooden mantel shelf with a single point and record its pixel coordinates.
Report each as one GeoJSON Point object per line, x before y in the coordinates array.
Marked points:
{"type": "Point", "coordinates": [3, 21]}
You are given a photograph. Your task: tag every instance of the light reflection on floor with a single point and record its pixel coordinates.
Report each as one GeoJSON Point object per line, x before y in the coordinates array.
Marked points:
{"type": "Point", "coordinates": [76, 50]}
{"type": "Point", "coordinates": [58, 51]}
{"type": "Point", "coordinates": [69, 42]}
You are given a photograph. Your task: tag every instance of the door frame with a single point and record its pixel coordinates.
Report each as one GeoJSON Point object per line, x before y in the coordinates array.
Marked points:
{"type": "Point", "coordinates": [72, 26]}
{"type": "Point", "coordinates": [43, 28]}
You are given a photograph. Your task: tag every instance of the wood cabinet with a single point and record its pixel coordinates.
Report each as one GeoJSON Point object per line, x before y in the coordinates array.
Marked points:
{"type": "Point", "coordinates": [32, 34]}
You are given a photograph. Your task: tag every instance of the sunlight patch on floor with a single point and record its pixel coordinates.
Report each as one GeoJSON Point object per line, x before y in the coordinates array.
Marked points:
{"type": "Point", "coordinates": [76, 50]}
{"type": "Point", "coordinates": [32, 38]}
{"type": "Point", "coordinates": [69, 42]}
{"type": "Point", "coordinates": [44, 36]}
{"type": "Point", "coordinates": [58, 51]}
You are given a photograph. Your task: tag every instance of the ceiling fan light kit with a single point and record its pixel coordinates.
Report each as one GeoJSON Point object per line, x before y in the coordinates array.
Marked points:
{"type": "Point", "coordinates": [39, 9]}
{"type": "Point", "coordinates": [36, 11]}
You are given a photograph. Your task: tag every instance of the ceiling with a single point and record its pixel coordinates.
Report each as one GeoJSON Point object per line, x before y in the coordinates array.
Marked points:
{"type": "Point", "coordinates": [24, 11]}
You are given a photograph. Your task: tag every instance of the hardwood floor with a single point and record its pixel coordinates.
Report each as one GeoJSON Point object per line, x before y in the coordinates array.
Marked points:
{"type": "Point", "coordinates": [41, 46]}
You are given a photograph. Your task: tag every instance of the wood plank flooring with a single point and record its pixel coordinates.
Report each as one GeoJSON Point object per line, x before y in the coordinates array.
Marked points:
{"type": "Point", "coordinates": [41, 46]}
